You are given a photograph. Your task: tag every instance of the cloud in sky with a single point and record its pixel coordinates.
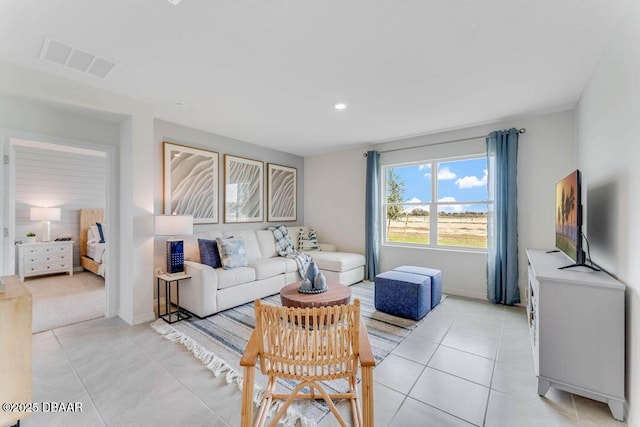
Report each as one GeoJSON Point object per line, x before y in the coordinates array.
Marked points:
{"type": "Point", "coordinates": [427, 174]}
{"type": "Point", "coordinates": [450, 208]}
{"type": "Point", "coordinates": [446, 174]}
{"type": "Point", "coordinates": [412, 207]}
{"type": "Point", "coordinates": [472, 181]}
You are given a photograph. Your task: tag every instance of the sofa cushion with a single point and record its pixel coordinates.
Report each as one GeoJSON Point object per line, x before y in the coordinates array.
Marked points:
{"type": "Point", "coordinates": [209, 254]}
{"type": "Point", "coordinates": [266, 243]}
{"type": "Point", "coordinates": [236, 276]}
{"type": "Point", "coordinates": [232, 253]}
{"type": "Point", "coordinates": [294, 234]}
{"type": "Point", "coordinates": [269, 267]}
{"type": "Point", "coordinates": [250, 242]}
{"type": "Point", "coordinates": [337, 261]}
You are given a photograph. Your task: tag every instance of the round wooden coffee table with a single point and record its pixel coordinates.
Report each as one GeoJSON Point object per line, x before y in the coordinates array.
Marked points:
{"type": "Point", "coordinates": [337, 294]}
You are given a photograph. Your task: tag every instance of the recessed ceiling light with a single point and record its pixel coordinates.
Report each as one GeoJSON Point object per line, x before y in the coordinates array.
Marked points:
{"type": "Point", "coordinates": [340, 106]}
{"type": "Point", "coordinates": [174, 2]}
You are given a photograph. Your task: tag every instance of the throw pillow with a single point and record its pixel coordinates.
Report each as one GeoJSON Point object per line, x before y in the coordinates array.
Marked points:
{"type": "Point", "coordinates": [232, 253]}
{"type": "Point", "coordinates": [209, 253]}
{"type": "Point", "coordinates": [308, 242]}
{"type": "Point", "coordinates": [284, 245]}
{"type": "Point", "coordinates": [100, 232]}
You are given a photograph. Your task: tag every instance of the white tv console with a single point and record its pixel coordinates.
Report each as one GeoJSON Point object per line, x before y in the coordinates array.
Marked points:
{"type": "Point", "coordinates": [576, 321]}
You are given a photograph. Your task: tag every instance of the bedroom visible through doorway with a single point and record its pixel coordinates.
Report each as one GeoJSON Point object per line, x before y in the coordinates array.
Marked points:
{"type": "Point", "coordinates": [72, 179]}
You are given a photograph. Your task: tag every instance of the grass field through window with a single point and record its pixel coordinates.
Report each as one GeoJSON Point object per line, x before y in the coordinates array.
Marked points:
{"type": "Point", "coordinates": [453, 230]}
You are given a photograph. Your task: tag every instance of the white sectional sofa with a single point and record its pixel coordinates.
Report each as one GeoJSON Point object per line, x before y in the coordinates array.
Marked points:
{"type": "Point", "coordinates": [211, 290]}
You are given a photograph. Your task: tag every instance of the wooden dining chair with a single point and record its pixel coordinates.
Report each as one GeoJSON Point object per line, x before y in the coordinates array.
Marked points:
{"type": "Point", "coordinates": [309, 345]}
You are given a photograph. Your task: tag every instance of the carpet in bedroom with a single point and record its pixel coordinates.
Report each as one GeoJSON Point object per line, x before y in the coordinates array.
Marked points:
{"type": "Point", "coordinates": [60, 300]}
{"type": "Point", "coordinates": [219, 340]}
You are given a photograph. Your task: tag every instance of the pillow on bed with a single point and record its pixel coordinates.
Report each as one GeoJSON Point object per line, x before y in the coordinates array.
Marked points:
{"type": "Point", "coordinates": [232, 253]}
{"type": "Point", "coordinates": [92, 234]}
{"type": "Point", "coordinates": [209, 253]}
{"type": "Point", "coordinates": [100, 232]}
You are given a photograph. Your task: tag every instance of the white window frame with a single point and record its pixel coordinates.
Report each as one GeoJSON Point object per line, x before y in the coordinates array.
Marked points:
{"type": "Point", "coordinates": [433, 204]}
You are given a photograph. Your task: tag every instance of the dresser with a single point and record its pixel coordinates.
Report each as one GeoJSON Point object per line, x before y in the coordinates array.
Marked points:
{"type": "Point", "coordinates": [36, 259]}
{"type": "Point", "coordinates": [15, 342]}
{"type": "Point", "coordinates": [577, 326]}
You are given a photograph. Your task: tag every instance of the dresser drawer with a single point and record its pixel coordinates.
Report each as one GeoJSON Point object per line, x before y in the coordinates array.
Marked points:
{"type": "Point", "coordinates": [45, 258]}
{"type": "Point", "coordinates": [47, 249]}
{"type": "Point", "coordinates": [53, 267]}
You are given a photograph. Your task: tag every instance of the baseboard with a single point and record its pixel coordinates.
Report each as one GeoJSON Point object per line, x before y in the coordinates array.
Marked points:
{"type": "Point", "coordinates": [464, 293]}
{"type": "Point", "coordinates": [143, 318]}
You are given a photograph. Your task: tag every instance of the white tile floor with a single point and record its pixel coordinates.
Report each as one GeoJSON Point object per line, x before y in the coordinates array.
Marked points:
{"type": "Point", "coordinates": [469, 363]}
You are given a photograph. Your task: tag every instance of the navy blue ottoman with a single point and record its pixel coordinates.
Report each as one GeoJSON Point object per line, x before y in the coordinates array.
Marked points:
{"type": "Point", "coordinates": [403, 294]}
{"type": "Point", "coordinates": [436, 280]}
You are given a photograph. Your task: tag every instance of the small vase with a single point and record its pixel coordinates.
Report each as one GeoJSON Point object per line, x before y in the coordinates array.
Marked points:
{"type": "Point", "coordinates": [31, 239]}
{"type": "Point", "coordinates": [312, 271]}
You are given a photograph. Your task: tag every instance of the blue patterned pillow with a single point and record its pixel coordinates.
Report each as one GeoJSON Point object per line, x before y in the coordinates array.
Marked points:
{"type": "Point", "coordinates": [209, 254]}
{"type": "Point", "coordinates": [232, 253]}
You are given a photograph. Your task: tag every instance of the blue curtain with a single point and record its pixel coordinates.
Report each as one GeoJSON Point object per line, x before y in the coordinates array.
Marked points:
{"type": "Point", "coordinates": [502, 233]}
{"type": "Point", "coordinates": [372, 215]}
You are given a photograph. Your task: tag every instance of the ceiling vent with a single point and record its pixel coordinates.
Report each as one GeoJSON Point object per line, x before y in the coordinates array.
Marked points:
{"type": "Point", "coordinates": [63, 54]}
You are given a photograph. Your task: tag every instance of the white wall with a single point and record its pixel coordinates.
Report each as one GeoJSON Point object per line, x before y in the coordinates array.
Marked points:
{"type": "Point", "coordinates": [130, 201]}
{"type": "Point", "coordinates": [608, 150]}
{"type": "Point", "coordinates": [334, 196]}
{"type": "Point", "coordinates": [52, 178]}
{"type": "Point", "coordinates": [335, 187]}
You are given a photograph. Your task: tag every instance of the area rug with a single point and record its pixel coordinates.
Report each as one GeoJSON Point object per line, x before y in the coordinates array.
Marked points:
{"type": "Point", "coordinates": [219, 340]}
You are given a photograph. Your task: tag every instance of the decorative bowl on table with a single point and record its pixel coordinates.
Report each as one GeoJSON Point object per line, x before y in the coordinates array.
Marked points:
{"type": "Point", "coordinates": [306, 287]}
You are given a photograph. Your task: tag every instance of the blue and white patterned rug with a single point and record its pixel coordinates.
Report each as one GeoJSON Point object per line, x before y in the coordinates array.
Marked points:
{"type": "Point", "coordinates": [219, 341]}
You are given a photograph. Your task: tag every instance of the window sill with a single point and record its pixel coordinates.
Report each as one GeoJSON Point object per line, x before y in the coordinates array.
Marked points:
{"type": "Point", "coordinates": [434, 248]}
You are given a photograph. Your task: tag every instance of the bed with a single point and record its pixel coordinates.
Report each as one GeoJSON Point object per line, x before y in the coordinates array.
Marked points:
{"type": "Point", "coordinates": [92, 251]}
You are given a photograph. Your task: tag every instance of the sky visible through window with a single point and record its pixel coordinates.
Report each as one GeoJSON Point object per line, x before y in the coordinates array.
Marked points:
{"type": "Point", "coordinates": [458, 181]}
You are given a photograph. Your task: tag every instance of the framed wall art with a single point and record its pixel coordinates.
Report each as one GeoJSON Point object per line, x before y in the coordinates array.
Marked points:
{"type": "Point", "coordinates": [282, 193]}
{"type": "Point", "coordinates": [191, 182]}
{"type": "Point", "coordinates": [243, 190]}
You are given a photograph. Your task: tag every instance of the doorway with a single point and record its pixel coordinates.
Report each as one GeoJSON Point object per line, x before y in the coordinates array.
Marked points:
{"type": "Point", "coordinates": [68, 177]}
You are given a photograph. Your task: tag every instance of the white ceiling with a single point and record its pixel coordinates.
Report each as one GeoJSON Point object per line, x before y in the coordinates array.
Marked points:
{"type": "Point", "coordinates": [269, 71]}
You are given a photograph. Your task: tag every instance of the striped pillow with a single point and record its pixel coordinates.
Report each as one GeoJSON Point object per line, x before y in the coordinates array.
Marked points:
{"type": "Point", "coordinates": [307, 242]}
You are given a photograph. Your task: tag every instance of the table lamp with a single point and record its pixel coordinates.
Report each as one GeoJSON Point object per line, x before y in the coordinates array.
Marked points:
{"type": "Point", "coordinates": [46, 215]}
{"type": "Point", "coordinates": [173, 226]}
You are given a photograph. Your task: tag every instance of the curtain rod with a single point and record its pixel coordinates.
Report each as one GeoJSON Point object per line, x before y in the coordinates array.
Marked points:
{"type": "Point", "coordinates": [521, 130]}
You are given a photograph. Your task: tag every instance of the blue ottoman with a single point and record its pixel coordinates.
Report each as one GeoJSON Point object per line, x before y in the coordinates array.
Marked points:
{"type": "Point", "coordinates": [403, 294]}
{"type": "Point", "coordinates": [436, 280]}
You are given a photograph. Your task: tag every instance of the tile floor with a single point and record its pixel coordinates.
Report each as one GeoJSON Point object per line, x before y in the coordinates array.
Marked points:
{"type": "Point", "coordinates": [469, 363]}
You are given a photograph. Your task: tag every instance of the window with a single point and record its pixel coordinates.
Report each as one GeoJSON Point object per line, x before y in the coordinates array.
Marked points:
{"type": "Point", "coordinates": [455, 189]}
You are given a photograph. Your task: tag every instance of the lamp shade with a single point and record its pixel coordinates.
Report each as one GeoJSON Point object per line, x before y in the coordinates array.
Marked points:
{"type": "Point", "coordinates": [44, 214]}
{"type": "Point", "coordinates": [174, 225]}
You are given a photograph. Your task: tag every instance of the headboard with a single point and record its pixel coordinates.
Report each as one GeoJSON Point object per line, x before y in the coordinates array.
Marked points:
{"type": "Point", "coordinates": [88, 217]}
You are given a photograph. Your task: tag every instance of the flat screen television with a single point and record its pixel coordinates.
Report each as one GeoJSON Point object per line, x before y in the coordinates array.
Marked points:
{"type": "Point", "coordinates": [569, 219]}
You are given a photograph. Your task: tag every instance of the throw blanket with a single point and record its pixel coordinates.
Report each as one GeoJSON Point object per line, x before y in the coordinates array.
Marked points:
{"type": "Point", "coordinates": [285, 248]}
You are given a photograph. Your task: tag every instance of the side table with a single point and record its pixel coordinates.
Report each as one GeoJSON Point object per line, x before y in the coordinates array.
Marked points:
{"type": "Point", "coordinates": [178, 314]}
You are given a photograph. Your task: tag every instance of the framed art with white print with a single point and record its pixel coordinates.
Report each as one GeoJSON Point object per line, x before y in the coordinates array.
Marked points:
{"type": "Point", "coordinates": [191, 182]}
{"type": "Point", "coordinates": [282, 190]}
{"type": "Point", "coordinates": [243, 190]}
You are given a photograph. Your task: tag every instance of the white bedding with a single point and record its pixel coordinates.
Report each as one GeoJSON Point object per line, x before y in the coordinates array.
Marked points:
{"type": "Point", "coordinates": [95, 251]}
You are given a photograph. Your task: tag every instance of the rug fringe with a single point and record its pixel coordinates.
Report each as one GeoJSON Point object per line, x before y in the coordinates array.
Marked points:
{"type": "Point", "coordinates": [218, 366]}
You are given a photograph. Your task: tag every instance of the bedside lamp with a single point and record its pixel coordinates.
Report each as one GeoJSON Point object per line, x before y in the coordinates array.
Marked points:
{"type": "Point", "coordinates": [174, 225]}
{"type": "Point", "coordinates": [46, 215]}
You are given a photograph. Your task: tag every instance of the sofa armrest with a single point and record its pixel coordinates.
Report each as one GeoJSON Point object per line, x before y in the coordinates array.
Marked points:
{"type": "Point", "coordinates": [328, 247]}
{"type": "Point", "coordinates": [199, 294]}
